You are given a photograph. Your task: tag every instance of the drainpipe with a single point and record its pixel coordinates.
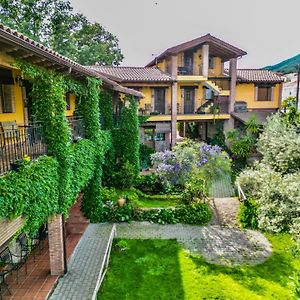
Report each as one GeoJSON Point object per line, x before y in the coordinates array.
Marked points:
{"type": "Point", "coordinates": [297, 93]}
{"type": "Point", "coordinates": [64, 244]}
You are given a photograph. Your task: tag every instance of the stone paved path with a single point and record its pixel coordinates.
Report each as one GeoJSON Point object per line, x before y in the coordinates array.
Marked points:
{"type": "Point", "coordinates": [84, 266]}
{"type": "Point", "coordinates": [225, 211]}
{"type": "Point", "coordinates": [218, 245]}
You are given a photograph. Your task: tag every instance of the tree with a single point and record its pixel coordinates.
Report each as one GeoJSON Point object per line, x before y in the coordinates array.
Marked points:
{"type": "Point", "coordinates": [53, 23]}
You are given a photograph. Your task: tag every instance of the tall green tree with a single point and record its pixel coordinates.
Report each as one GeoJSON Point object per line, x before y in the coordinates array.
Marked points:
{"type": "Point", "coordinates": [53, 23]}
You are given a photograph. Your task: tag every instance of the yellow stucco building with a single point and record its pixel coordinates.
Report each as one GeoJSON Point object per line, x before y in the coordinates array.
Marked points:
{"type": "Point", "coordinates": [198, 83]}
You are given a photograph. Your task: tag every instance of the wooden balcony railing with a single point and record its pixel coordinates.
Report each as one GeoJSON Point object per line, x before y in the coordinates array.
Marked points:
{"type": "Point", "coordinates": [16, 143]}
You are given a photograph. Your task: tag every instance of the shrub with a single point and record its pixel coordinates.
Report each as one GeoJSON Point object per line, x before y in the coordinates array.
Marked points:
{"type": "Point", "coordinates": [248, 215]}
{"type": "Point", "coordinates": [115, 213]}
{"type": "Point", "coordinates": [280, 144]}
{"type": "Point", "coordinates": [198, 213]}
{"type": "Point", "coordinates": [187, 159]}
{"type": "Point", "coordinates": [149, 184]}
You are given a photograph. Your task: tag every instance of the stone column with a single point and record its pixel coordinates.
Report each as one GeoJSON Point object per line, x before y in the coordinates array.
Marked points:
{"type": "Point", "coordinates": [174, 63]}
{"type": "Point", "coordinates": [205, 60]}
{"type": "Point", "coordinates": [56, 245]}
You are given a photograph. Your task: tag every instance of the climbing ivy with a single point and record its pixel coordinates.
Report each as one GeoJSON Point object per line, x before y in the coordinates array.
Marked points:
{"type": "Point", "coordinates": [106, 109]}
{"type": "Point", "coordinates": [49, 107]}
{"type": "Point", "coordinates": [32, 191]}
{"type": "Point", "coordinates": [126, 140]}
{"type": "Point", "coordinates": [50, 185]}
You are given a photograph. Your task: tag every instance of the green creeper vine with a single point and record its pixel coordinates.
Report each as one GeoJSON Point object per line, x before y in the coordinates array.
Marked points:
{"type": "Point", "coordinates": [51, 184]}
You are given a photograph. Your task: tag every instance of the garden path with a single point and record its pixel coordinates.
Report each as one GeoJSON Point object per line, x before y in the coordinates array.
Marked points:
{"type": "Point", "coordinates": [85, 266]}
{"type": "Point", "coordinates": [218, 245]}
{"type": "Point", "coordinates": [225, 211]}
{"type": "Point", "coordinates": [221, 187]}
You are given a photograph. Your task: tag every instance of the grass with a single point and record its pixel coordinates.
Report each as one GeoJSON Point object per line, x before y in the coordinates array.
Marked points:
{"type": "Point", "coordinates": [161, 269]}
{"type": "Point", "coordinates": [143, 200]}
{"type": "Point", "coordinates": [154, 203]}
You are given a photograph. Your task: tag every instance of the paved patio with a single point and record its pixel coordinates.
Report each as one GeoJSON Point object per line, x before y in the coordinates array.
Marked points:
{"type": "Point", "coordinates": [37, 283]}
{"type": "Point", "coordinates": [217, 244]}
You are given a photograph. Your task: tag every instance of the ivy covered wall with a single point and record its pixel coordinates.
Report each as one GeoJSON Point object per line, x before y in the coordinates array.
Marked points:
{"type": "Point", "coordinates": [51, 184]}
{"type": "Point", "coordinates": [121, 167]}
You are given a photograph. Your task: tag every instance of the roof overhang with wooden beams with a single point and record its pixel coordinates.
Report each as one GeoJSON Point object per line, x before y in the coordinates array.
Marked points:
{"type": "Point", "coordinates": [217, 47]}
{"type": "Point", "coordinates": [18, 45]}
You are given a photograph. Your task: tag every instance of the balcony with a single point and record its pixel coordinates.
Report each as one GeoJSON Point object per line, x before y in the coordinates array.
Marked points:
{"type": "Point", "coordinates": [19, 141]}
{"type": "Point", "coordinates": [185, 70]}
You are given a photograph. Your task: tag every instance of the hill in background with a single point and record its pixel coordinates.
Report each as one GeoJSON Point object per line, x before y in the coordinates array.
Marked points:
{"type": "Point", "coordinates": [287, 66]}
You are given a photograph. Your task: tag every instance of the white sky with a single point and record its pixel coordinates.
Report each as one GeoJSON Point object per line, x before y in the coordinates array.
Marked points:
{"type": "Point", "coordinates": [267, 29]}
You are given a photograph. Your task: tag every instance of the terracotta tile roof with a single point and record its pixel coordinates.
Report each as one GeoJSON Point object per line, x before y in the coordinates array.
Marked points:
{"type": "Point", "coordinates": [134, 74]}
{"type": "Point", "coordinates": [214, 42]}
{"type": "Point", "coordinates": [257, 75]}
{"type": "Point", "coordinates": [17, 41]}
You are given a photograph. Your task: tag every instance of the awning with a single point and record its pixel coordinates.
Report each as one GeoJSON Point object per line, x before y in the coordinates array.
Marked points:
{"type": "Point", "coordinates": [261, 116]}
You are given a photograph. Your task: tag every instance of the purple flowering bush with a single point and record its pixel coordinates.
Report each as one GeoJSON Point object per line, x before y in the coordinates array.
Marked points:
{"type": "Point", "coordinates": [191, 162]}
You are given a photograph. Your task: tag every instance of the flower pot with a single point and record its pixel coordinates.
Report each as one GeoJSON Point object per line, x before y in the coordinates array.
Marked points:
{"type": "Point", "coordinates": [15, 166]}
{"type": "Point", "coordinates": [121, 201]}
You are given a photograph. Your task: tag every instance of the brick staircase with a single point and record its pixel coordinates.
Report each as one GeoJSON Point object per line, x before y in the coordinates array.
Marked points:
{"type": "Point", "coordinates": [76, 223]}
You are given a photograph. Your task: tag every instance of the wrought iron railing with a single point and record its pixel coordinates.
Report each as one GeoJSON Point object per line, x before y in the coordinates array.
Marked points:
{"type": "Point", "coordinates": [77, 127]}
{"type": "Point", "coordinates": [20, 141]}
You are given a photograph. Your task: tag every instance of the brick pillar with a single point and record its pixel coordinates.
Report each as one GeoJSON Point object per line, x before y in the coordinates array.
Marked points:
{"type": "Point", "coordinates": [205, 60]}
{"type": "Point", "coordinates": [56, 246]}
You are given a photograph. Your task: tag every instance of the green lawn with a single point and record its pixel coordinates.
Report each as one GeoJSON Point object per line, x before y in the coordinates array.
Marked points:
{"type": "Point", "coordinates": [161, 269]}
{"type": "Point", "coordinates": [153, 203]}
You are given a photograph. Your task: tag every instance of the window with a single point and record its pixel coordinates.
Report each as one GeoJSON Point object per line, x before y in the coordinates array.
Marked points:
{"type": "Point", "coordinates": [264, 93]}
{"type": "Point", "coordinates": [188, 62]}
{"type": "Point", "coordinates": [159, 137]}
{"type": "Point", "coordinates": [211, 62]}
{"type": "Point", "coordinates": [6, 98]}
{"type": "Point", "coordinates": [149, 134]}
{"type": "Point", "coordinates": [68, 101]}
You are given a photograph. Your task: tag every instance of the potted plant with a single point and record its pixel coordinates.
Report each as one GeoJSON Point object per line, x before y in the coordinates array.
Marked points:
{"type": "Point", "coordinates": [15, 166]}
{"type": "Point", "coordinates": [154, 113]}
{"type": "Point", "coordinates": [122, 201]}
{"type": "Point", "coordinates": [215, 109]}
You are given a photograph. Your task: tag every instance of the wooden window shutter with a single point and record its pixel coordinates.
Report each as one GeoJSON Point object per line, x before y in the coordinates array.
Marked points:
{"type": "Point", "coordinates": [272, 93]}
{"type": "Point", "coordinates": [152, 99]}
{"type": "Point", "coordinates": [7, 98]}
